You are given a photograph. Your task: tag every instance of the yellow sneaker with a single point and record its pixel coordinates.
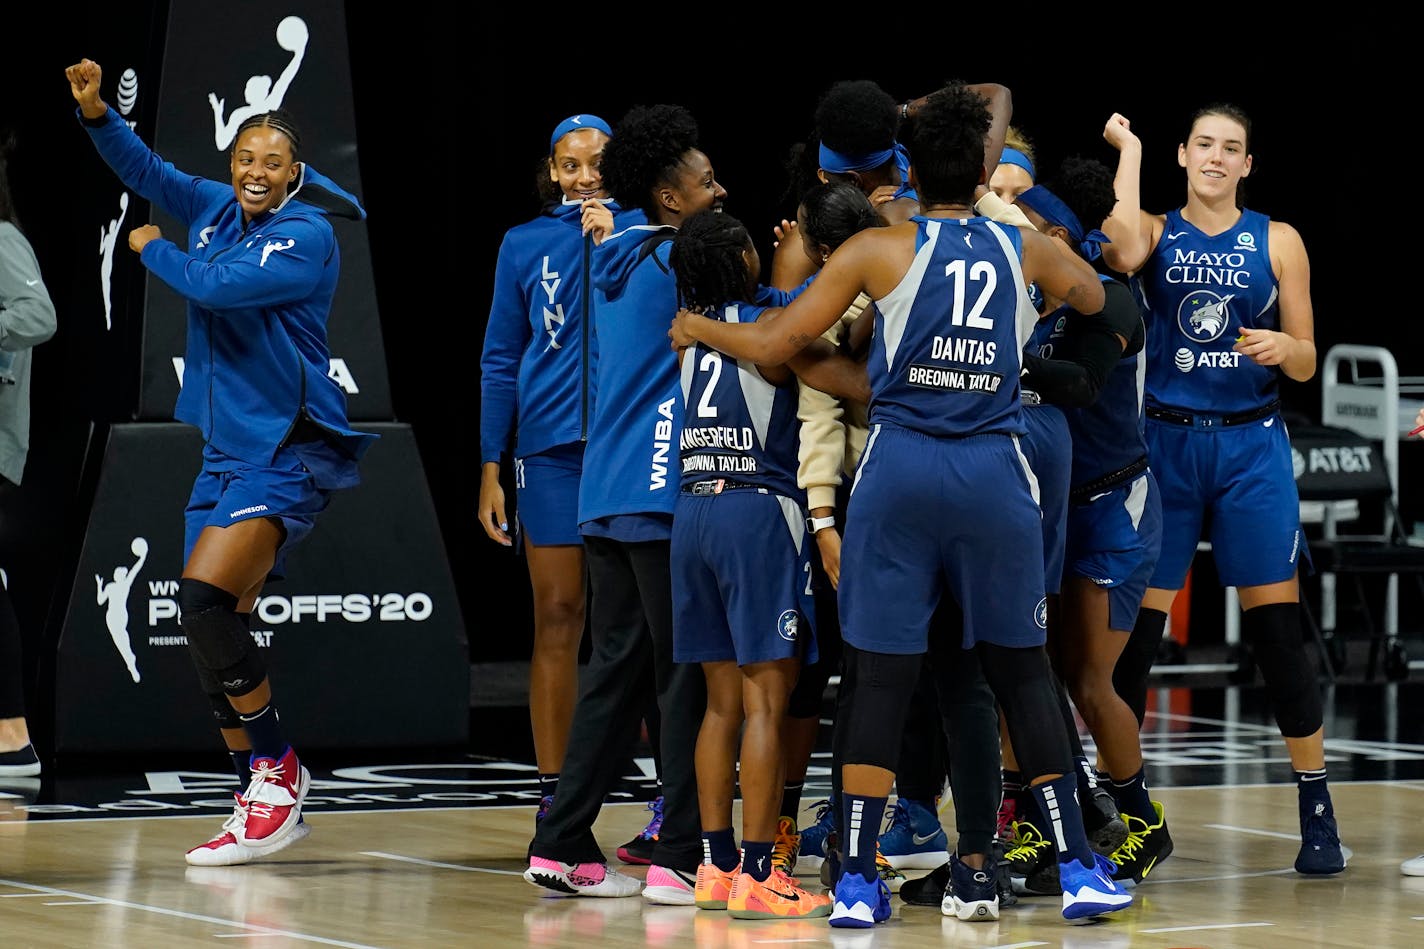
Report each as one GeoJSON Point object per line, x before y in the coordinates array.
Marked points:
{"type": "Point", "coordinates": [714, 886]}
{"type": "Point", "coordinates": [779, 897]}
{"type": "Point", "coordinates": [786, 846]}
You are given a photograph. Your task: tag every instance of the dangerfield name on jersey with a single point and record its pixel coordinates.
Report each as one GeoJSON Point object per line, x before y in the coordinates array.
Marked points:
{"type": "Point", "coordinates": [723, 440]}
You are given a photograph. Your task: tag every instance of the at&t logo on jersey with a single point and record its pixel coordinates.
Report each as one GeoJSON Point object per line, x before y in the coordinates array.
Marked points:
{"type": "Point", "coordinates": [788, 625]}
{"type": "Point", "coordinates": [1186, 360]}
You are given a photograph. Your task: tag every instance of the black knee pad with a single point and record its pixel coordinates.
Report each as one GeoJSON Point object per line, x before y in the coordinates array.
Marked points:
{"type": "Point", "coordinates": [218, 638]}
{"type": "Point", "coordinates": [223, 713]}
{"type": "Point", "coordinates": [1023, 682]}
{"type": "Point", "coordinates": [1135, 662]}
{"type": "Point", "coordinates": [1274, 633]}
{"type": "Point", "coordinates": [878, 688]}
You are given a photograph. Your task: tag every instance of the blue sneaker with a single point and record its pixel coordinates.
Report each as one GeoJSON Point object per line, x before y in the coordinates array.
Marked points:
{"type": "Point", "coordinates": [859, 903]}
{"type": "Point", "coordinates": [1320, 851]}
{"type": "Point", "coordinates": [1091, 891]}
{"type": "Point", "coordinates": [972, 895]}
{"type": "Point", "coordinates": [914, 840]}
{"type": "Point", "coordinates": [814, 847]}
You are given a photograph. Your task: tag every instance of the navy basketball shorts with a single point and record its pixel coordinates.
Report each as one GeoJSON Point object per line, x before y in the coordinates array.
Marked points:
{"type": "Point", "coordinates": [226, 492]}
{"type": "Point", "coordinates": [1048, 446]}
{"type": "Point", "coordinates": [1236, 486]}
{"type": "Point", "coordinates": [547, 491]}
{"type": "Point", "coordinates": [741, 579]}
{"type": "Point", "coordinates": [941, 516]}
{"type": "Point", "coordinates": [1113, 540]}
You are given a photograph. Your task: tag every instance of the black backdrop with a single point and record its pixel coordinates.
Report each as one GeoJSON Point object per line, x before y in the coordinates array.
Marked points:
{"type": "Point", "coordinates": [453, 112]}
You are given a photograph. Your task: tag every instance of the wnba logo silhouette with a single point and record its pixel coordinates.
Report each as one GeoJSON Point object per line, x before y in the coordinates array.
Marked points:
{"type": "Point", "coordinates": [114, 597]}
{"type": "Point", "coordinates": [262, 94]}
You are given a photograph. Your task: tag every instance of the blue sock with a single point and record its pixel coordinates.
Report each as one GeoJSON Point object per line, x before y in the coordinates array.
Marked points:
{"type": "Point", "coordinates": [1313, 791]}
{"type": "Point", "coordinates": [241, 760]}
{"type": "Point", "coordinates": [756, 859]}
{"type": "Point", "coordinates": [548, 784]}
{"type": "Point", "coordinates": [719, 848]}
{"type": "Point", "coordinates": [264, 732]}
{"type": "Point", "coordinates": [1063, 820]}
{"type": "Point", "coordinates": [1132, 797]}
{"type": "Point", "coordinates": [862, 820]}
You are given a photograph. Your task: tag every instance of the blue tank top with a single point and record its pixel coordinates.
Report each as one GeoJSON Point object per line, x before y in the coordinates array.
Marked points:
{"type": "Point", "coordinates": [1196, 294]}
{"type": "Point", "coordinates": [948, 344]}
{"type": "Point", "coordinates": [1108, 435]}
{"type": "Point", "coordinates": [735, 425]}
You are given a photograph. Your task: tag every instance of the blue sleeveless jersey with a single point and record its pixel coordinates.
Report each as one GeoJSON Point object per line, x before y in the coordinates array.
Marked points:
{"type": "Point", "coordinates": [948, 344]}
{"type": "Point", "coordinates": [736, 425]}
{"type": "Point", "coordinates": [1108, 435]}
{"type": "Point", "coordinates": [1196, 293]}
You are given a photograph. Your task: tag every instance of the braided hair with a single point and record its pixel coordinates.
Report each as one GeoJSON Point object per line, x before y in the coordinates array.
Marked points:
{"type": "Point", "coordinates": [279, 119]}
{"type": "Point", "coordinates": [709, 258]}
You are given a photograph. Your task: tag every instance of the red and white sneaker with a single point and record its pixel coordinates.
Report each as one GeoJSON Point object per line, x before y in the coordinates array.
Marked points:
{"type": "Point", "coordinates": [274, 804]}
{"type": "Point", "coordinates": [223, 850]}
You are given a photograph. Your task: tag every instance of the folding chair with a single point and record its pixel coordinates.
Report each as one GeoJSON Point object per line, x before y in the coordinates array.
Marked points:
{"type": "Point", "coordinates": [1337, 464]}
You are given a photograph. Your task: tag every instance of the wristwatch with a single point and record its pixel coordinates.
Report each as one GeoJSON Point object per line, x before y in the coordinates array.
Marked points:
{"type": "Point", "coordinates": [817, 524]}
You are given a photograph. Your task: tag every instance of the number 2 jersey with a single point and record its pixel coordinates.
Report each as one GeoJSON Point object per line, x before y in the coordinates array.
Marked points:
{"type": "Point", "coordinates": [736, 425]}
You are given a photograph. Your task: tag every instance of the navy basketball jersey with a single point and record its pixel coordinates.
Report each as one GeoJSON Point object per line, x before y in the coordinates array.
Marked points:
{"type": "Point", "coordinates": [1196, 293]}
{"type": "Point", "coordinates": [737, 426]}
{"type": "Point", "coordinates": [948, 345]}
{"type": "Point", "coordinates": [1108, 434]}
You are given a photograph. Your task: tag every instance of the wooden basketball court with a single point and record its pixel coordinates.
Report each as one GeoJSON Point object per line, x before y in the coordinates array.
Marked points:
{"type": "Point", "coordinates": [451, 876]}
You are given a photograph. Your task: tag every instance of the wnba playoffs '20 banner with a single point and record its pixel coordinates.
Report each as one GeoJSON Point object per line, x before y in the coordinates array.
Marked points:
{"type": "Point", "coordinates": [363, 639]}
{"type": "Point", "coordinates": [216, 73]}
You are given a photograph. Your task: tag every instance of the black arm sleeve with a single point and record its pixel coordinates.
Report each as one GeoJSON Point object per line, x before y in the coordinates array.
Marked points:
{"type": "Point", "coordinates": [1090, 349]}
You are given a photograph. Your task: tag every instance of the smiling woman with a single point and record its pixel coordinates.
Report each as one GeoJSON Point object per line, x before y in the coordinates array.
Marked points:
{"type": "Point", "coordinates": [258, 270]}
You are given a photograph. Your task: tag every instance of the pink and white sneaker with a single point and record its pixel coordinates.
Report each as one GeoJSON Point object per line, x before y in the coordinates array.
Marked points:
{"type": "Point", "coordinates": [581, 879]}
{"type": "Point", "coordinates": [669, 887]}
{"type": "Point", "coordinates": [274, 804]}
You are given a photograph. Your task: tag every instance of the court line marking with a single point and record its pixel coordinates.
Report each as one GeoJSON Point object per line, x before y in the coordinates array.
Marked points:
{"type": "Point", "coordinates": [438, 864]}
{"type": "Point", "coordinates": [39, 819]}
{"type": "Point", "coordinates": [15, 896]}
{"type": "Point", "coordinates": [1226, 876]}
{"type": "Point", "coordinates": [196, 917]}
{"type": "Point", "coordinates": [1253, 830]}
{"type": "Point", "coordinates": [1187, 929]}
{"type": "Point", "coordinates": [1018, 945]}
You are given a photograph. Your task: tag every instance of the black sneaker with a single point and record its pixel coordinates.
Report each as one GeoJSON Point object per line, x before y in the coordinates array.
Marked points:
{"type": "Point", "coordinates": [1106, 829]}
{"type": "Point", "coordinates": [1146, 846]}
{"type": "Point", "coordinates": [23, 763]}
{"type": "Point", "coordinates": [927, 890]}
{"type": "Point", "coordinates": [1032, 862]}
{"type": "Point", "coordinates": [1320, 851]}
{"type": "Point", "coordinates": [972, 895]}
{"type": "Point", "coordinates": [640, 848]}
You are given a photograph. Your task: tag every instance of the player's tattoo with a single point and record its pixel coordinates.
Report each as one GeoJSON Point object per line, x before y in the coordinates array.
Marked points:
{"type": "Point", "coordinates": [800, 340]}
{"type": "Point", "coordinates": [1074, 296]}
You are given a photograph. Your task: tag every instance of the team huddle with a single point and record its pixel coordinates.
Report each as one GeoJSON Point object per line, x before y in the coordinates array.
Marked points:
{"type": "Point", "coordinates": [956, 445]}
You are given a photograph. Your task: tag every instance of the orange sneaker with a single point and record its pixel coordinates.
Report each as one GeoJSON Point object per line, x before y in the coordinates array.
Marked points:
{"type": "Point", "coordinates": [779, 897]}
{"type": "Point", "coordinates": [714, 886]}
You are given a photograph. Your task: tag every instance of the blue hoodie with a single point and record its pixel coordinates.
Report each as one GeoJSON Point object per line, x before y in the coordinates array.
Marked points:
{"type": "Point", "coordinates": [259, 295]}
{"type": "Point", "coordinates": [537, 364]}
{"type": "Point", "coordinates": [637, 414]}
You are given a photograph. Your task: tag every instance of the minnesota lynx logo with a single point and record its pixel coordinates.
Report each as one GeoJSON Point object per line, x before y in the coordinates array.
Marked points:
{"type": "Point", "coordinates": [1206, 315]}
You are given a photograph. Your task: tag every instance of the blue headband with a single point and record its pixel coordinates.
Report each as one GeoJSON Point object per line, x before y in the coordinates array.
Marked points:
{"type": "Point", "coordinates": [575, 122]}
{"type": "Point", "coordinates": [1052, 209]}
{"type": "Point", "coordinates": [1012, 156]}
{"type": "Point", "coordinates": [839, 163]}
